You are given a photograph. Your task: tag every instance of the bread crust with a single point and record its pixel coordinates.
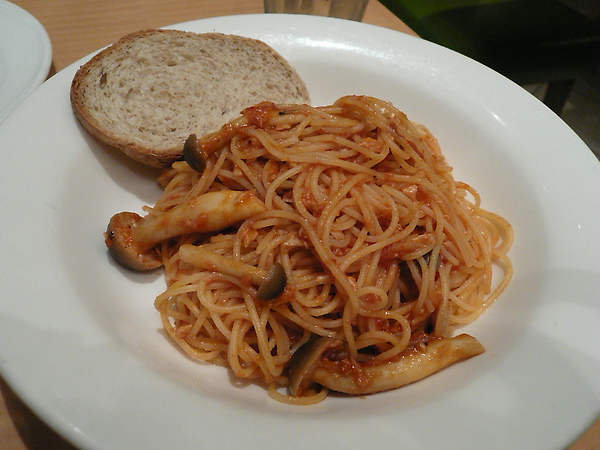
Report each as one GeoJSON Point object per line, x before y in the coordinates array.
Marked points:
{"type": "Point", "coordinates": [207, 91]}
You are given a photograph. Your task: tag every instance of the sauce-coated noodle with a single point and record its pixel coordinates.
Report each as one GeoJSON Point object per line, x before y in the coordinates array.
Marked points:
{"type": "Point", "coordinates": [381, 246]}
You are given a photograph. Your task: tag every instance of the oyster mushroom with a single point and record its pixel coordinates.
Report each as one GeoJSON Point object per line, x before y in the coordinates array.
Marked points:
{"type": "Point", "coordinates": [306, 368]}
{"type": "Point", "coordinates": [196, 151]}
{"type": "Point", "coordinates": [271, 283]}
{"type": "Point", "coordinates": [131, 239]}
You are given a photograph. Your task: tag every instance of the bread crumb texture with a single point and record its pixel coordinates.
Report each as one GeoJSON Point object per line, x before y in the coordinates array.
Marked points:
{"type": "Point", "coordinates": [155, 87]}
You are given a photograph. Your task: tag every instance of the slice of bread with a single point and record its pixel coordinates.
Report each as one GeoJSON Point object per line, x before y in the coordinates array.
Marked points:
{"type": "Point", "coordinates": [145, 94]}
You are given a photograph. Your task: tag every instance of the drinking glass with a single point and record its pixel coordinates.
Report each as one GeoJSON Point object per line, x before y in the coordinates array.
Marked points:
{"type": "Point", "coordinates": [344, 9]}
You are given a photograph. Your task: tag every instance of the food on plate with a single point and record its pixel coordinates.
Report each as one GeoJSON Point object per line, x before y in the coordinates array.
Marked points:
{"type": "Point", "coordinates": [361, 259]}
{"type": "Point", "coordinates": [131, 238]}
{"type": "Point", "coordinates": [145, 94]}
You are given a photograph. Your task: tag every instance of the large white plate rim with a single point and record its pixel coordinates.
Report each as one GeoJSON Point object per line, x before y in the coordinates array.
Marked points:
{"type": "Point", "coordinates": [24, 64]}
{"type": "Point", "coordinates": [102, 423]}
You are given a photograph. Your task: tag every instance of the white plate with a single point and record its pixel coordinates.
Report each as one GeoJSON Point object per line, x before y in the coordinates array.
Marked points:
{"type": "Point", "coordinates": [25, 56]}
{"type": "Point", "coordinates": [81, 342]}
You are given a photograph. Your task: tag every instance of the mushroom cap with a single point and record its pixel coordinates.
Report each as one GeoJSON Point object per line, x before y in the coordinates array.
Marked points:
{"type": "Point", "coordinates": [273, 284]}
{"type": "Point", "coordinates": [122, 246]}
{"type": "Point", "coordinates": [193, 154]}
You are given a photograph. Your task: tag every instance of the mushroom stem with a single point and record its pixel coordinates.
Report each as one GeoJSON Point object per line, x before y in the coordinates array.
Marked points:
{"type": "Point", "coordinates": [207, 260]}
{"type": "Point", "coordinates": [212, 211]}
{"type": "Point", "coordinates": [212, 142]}
{"type": "Point", "coordinates": [271, 282]}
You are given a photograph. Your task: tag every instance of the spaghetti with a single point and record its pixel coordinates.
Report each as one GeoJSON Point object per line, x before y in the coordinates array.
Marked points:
{"type": "Point", "coordinates": [382, 248]}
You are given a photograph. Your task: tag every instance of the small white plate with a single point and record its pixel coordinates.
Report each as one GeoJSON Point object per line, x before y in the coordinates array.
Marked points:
{"type": "Point", "coordinates": [81, 343]}
{"type": "Point", "coordinates": [25, 56]}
